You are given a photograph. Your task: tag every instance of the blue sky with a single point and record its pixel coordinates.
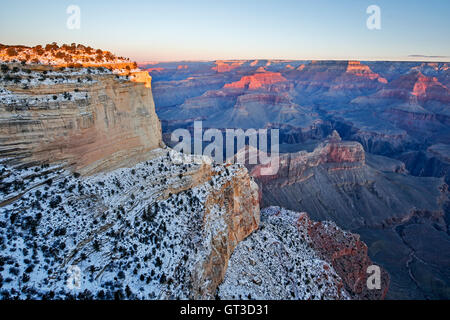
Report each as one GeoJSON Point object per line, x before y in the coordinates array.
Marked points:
{"type": "Point", "coordinates": [166, 30]}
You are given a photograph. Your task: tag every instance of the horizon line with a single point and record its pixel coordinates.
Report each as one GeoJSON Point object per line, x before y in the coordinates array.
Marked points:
{"type": "Point", "coordinates": [293, 60]}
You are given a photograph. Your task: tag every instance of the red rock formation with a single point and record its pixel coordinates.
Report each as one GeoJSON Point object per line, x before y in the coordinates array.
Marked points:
{"type": "Point", "coordinates": [154, 70]}
{"type": "Point", "coordinates": [296, 167]}
{"type": "Point", "coordinates": [348, 255]}
{"type": "Point", "coordinates": [257, 81]}
{"type": "Point", "coordinates": [418, 85]}
{"type": "Point", "coordinates": [224, 66]}
{"type": "Point", "coordinates": [360, 70]}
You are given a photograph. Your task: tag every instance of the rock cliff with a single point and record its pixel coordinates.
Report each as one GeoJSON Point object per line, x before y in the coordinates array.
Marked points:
{"type": "Point", "coordinates": [293, 257]}
{"type": "Point", "coordinates": [163, 229]}
{"type": "Point", "coordinates": [91, 119]}
{"type": "Point", "coordinates": [333, 154]}
{"type": "Point", "coordinates": [86, 186]}
{"type": "Point", "coordinates": [93, 206]}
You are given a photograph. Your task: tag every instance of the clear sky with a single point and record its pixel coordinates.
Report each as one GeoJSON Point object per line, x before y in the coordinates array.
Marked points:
{"type": "Point", "coordinates": [167, 30]}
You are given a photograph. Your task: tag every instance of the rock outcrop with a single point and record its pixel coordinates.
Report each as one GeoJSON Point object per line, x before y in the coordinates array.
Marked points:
{"type": "Point", "coordinates": [257, 81]}
{"type": "Point", "coordinates": [360, 70]}
{"type": "Point", "coordinates": [140, 222]}
{"type": "Point", "coordinates": [293, 257]}
{"type": "Point", "coordinates": [92, 120]}
{"type": "Point", "coordinates": [163, 229]}
{"type": "Point", "coordinates": [333, 154]}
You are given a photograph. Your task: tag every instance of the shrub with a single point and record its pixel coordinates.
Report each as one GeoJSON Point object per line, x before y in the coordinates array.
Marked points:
{"type": "Point", "coordinates": [54, 202]}
{"type": "Point", "coordinates": [12, 52]}
{"type": "Point", "coordinates": [60, 55]}
{"type": "Point", "coordinates": [96, 245]}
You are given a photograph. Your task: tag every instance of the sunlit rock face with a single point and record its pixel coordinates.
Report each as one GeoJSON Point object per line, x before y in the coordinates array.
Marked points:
{"type": "Point", "coordinates": [333, 154]}
{"type": "Point", "coordinates": [257, 81]}
{"type": "Point", "coordinates": [364, 71]}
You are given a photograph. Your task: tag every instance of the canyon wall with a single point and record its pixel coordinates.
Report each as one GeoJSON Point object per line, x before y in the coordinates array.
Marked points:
{"type": "Point", "coordinates": [163, 229]}
{"type": "Point", "coordinates": [93, 121]}
{"type": "Point", "coordinates": [292, 257]}
{"type": "Point", "coordinates": [141, 221]}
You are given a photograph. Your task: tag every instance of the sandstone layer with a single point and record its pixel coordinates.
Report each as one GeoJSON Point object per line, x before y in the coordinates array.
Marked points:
{"type": "Point", "coordinates": [93, 122]}
{"type": "Point", "coordinates": [163, 229]}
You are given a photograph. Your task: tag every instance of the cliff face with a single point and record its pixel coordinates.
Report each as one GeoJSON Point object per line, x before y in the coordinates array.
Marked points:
{"type": "Point", "coordinates": [293, 257]}
{"type": "Point", "coordinates": [141, 222]}
{"type": "Point", "coordinates": [333, 154]}
{"type": "Point", "coordinates": [92, 120]}
{"type": "Point", "coordinates": [163, 229]}
{"type": "Point", "coordinates": [348, 255]}
{"type": "Point", "coordinates": [257, 81]}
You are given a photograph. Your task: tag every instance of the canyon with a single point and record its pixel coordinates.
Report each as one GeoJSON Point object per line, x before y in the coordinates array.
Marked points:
{"type": "Point", "coordinates": [94, 205]}
{"type": "Point", "coordinates": [363, 144]}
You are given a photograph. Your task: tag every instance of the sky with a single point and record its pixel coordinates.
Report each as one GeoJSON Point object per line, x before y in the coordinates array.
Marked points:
{"type": "Point", "coordinates": [175, 30]}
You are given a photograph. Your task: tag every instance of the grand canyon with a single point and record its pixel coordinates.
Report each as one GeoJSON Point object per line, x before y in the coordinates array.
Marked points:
{"type": "Point", "coordinates": [364, 144]}
{"type": "Point", "coordinates": [96, 203]}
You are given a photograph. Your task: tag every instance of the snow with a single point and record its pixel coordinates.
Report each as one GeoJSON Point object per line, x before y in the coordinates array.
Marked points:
{"type": "Point", "coordinates": [127, 239]}
{"type": "Point", "coordinates": [277, 262]}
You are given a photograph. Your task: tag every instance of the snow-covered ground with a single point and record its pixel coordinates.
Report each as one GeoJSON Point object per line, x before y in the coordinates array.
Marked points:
{"type": "Point", "coordinates": [15, 84]}
{"type": "Point", "coordinates": [127, 237]}
{"type": "Point", "coordinates": [278, 262]}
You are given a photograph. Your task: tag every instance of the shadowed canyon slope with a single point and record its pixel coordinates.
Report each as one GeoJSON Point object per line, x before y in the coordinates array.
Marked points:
{"type": "Point", "coordinates": [390, 107]}
{"type": "Point", "coordinates": [386, 180]}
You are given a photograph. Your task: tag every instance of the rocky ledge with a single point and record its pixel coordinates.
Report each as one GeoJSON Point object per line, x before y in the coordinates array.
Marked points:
{"type": "Point", "coordinates": [163, 229]}
{"type": "Point", "coordinates": [90, 118]}
{"type": "Point", "coordinates": [293, 257]}
{"type": "Point", "coordinates": [334, 154]}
